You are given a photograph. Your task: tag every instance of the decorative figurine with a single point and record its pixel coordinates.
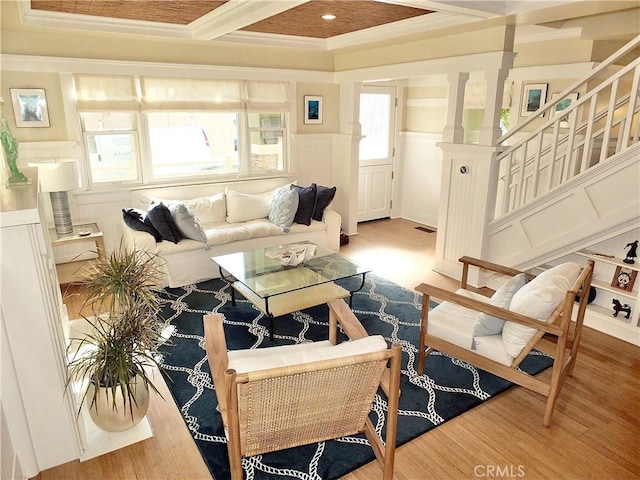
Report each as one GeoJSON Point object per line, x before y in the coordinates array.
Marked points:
{"type": "Point", "coordinates": [10, 147]}
{"type": "Point", "coordinates": [618, 307]}
{"type": "Point", "coordinates": [632, 253]}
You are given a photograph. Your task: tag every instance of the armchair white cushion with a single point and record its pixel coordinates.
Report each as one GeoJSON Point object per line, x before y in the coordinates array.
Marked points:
{"type": "Point", "coordinates": [488, 324]}
{"type": "Point", "coordinates": [538, 299]}
{"type": "Point", "coordinates": [252, 360]}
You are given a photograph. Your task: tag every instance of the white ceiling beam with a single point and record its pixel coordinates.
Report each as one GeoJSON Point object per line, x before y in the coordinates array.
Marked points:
{"type": "Point", "coordinates": [476, 8]}
{"type": "Point", "coordinates": [237, 14]}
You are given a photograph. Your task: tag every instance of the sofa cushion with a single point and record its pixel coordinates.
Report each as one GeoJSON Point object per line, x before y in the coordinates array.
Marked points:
{"type": "Point", "coordinates": [187, 222]}
{"type": "Point", "coordinates": [284, 206]}
{"type": "Point", "coordinates": [538, 299]}
{"type": "Point", "coordinates": [281, 357]}
{"type": "Point", "coordinates": [324, 196]}
{"type": "Point", "coordinates": [487, 324]}
{"type": "Point", "coordinates": [161, 219]}
{"type": "Point", "coordinates": [244, 206]}
{"type": "Point", "coordinates": [210, 209]}
{"type": "Point", "coordinates": [306, 203]}
{"type": "Point", "coordinates": [454, 323]}
{"type": "Point", "coordinates": [134, 219]}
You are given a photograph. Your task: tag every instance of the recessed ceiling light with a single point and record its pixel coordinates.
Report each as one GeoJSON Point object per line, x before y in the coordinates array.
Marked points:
{"type": "Point", "coordinates": [328, 16]}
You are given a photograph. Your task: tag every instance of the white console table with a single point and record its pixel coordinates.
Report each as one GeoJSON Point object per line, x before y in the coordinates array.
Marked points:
{"type": "Point", "coordinates": [40, 416]}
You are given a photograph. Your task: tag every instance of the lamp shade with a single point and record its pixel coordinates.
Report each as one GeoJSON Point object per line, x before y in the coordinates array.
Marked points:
{"type": "Point", "coordinates": [59, 175]}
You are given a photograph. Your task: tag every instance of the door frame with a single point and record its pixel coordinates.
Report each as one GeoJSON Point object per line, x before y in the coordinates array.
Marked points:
{"type": "Point", "coordinates": [396, 162]}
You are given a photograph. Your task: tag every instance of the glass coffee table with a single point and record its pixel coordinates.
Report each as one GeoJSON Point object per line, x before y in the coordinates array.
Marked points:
{"type": "Point", "coordinates": [277, 289]}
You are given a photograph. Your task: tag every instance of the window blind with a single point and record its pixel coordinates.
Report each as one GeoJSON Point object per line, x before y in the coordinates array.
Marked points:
{"type": "Point", "coordinates": [103, 93]}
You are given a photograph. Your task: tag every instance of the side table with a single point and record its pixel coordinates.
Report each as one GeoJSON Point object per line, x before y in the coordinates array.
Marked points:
{"type": "Point", "coordinates": [67, 271]}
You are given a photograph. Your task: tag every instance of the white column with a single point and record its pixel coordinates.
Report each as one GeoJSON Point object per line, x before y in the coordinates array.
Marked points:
{"type": "Point", "coordinates": [468, 189]}
{"type": "Point", "coordinates": [490, 130]}
{"type": "Point", "coordinates": [453, 131]}
{"type": "Point", "coordinates": [346, 157]}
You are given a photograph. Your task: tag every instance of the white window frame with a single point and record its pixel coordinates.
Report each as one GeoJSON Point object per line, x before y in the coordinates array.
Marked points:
{"type": "Point", "coordinates": [138, 147]}
{"type": "Point", "coordinates": [143, 151]}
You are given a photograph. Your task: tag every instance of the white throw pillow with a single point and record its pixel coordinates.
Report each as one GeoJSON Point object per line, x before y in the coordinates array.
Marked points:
{"type": "Point", "coordinates": [284, 206]}
{"type": "Point", "coordinates": [211, 209]}
{"type": "Point", "coordinates": [187, 222]}
{"type": "Point", "coordinates": [487, 324]}
{"type": "Point", "coordinates": [243, 206]}
{"type": "Point", "coordinates": [538, 299]}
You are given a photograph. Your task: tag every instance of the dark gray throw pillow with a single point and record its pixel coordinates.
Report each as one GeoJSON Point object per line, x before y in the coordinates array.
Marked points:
{"type": "Point", "coordinates": [134, 219]}
{"type": "Point", "coordinates": [306, 203]}
{"type": "Point", "coordinates": [160, 217]}
{"type": "Point", "coordinates": [324, 196]}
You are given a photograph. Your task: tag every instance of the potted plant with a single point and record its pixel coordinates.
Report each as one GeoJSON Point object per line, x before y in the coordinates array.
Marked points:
{"type": "Point", "coordinates": [116, 354]}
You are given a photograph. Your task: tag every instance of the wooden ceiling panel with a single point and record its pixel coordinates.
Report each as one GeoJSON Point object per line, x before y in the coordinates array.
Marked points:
{"type": "Point", "coordinates": [178, 12]}
{"type": "Point", "coordinates": [351, 15]}
{"type": "Point", "coordinates": [303, 20]}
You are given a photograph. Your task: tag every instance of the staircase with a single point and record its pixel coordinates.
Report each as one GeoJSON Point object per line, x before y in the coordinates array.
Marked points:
{"type": "Point", "coordinates": [571, 179]}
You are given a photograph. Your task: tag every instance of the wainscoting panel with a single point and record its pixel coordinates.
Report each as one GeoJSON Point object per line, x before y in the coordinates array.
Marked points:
{"type": "Point", "coordinates": [421, 177]}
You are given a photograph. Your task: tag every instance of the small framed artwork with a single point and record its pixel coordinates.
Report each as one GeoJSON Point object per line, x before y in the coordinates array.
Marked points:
{"type": "Point", "coordinates": [312, 110]}
{"type": "Point", "coordinates": [534, 95]}
{"type": "Point", "coordinates": [624, 278]}
{"type": "Point", "coordinates": [563, 104]}
{"type": "Point", "coordinates": [30, 107]}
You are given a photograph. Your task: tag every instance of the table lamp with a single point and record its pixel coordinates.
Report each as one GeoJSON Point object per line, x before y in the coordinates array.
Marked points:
{"type": "Point", "coordinates": [57, 178]}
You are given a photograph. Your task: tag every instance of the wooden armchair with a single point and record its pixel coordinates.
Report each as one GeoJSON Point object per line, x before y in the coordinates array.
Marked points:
{"type": "Point", "coordinates": [543, 307]}
{"type": "Point", "coordinates": [316, 392]}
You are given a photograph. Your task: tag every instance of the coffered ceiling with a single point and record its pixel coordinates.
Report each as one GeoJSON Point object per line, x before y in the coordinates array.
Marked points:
{"type": "Point", "coordinates": [297, 22]}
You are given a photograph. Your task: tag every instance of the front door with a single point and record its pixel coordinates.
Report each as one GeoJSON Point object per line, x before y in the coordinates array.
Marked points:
{"type": "Point", "coordinates": [377, 120]}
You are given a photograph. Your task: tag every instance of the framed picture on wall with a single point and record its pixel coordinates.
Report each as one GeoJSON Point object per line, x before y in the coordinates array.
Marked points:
{"type": "Point", "coordinates": [563, 104]}
{"type": "Point", "coordinates": [624, 278]}
{"type": "Point", "coordinates": [312, 110]}
{"type": "Point", "coordinates": [534, 95]}
{"type": "Point", "coordinates": [30, 107]}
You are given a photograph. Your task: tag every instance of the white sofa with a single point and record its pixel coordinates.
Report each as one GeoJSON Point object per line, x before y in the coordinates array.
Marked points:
{"type": "Point", "coordinates": [189, 261]}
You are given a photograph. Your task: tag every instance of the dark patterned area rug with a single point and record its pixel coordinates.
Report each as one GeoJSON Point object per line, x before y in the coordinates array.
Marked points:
{"type": "Point", "coordinates": [448, 388]}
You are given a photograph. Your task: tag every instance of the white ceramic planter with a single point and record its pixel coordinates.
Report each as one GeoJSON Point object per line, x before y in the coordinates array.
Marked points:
{"type": "Point", "coordinates": [118, 419]}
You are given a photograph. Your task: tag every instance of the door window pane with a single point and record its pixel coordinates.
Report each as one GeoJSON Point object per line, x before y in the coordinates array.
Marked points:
{"type": "Point", "coordinates": [375, 123]}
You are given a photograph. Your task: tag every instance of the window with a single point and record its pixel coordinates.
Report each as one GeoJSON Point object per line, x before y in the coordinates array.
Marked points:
{"type": "Point", "coordinates": [266, 134]}
{"type": "Point", "coordinates": [189, 128]}
{"type": "Point", "coordinates": [193, 144]}
{"type": "Point", "coordinates": [111, 147]}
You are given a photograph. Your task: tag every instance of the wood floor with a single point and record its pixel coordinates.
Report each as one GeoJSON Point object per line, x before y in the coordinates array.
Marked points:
{"type": "Point", "coordinates": [595, 431]}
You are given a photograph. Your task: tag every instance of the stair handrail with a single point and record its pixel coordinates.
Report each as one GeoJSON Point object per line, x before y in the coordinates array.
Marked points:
{"type": "Point", "coordinates": [626, 49]}
{"type": "Point", "coordinates": [579, 128]}
{"type": "Point", "coordinates": [574, 106]}
{"type": "Point", "coordinates": [515, 192]}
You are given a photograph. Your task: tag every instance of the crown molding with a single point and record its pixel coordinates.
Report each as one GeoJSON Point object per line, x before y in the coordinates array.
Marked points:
{"type": "Point", "coordinates": [42, 18]}
{"type": "Point", "coordinates": [425, 23]}
{"type": "Point", "coordinates": [33, 63]}
{"type": "Point", "coordinates": [537, 33]}
{"type": "Point", "coordinates": [273, 39]}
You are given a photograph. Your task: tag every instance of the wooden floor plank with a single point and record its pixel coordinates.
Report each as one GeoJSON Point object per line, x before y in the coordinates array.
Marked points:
{"type": "Point", "coordinates": [595, 430]}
